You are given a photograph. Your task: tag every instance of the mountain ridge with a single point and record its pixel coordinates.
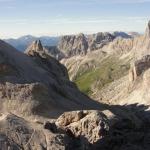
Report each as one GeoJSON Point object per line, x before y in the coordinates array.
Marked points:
{"type": "Point", "coordinates": [22, 43]}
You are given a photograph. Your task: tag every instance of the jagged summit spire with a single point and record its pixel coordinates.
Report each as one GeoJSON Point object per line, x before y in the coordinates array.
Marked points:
{"type": "Point", "coordinates": [36, 46]}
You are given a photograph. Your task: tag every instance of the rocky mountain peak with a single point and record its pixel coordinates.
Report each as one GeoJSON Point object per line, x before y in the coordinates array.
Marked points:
{"type": "Point", "coordinates": [81, 35]}
{"type": "Point", "coordinates": [97, 41]}
{"type": "Point", "coordinates": [38, 45]}
{"type": "Point", "coordinates": [35, 47]}
{"type": "Point", "coordinates": [73, 44]}
{"type": "Point", "coordinates": [79, 44]}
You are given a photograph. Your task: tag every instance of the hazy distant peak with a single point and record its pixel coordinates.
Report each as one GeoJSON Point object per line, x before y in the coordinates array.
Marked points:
{"type": "Point", "coordinates": [22, 42]}
{"type": "Point", "coordinates": [122, 34]}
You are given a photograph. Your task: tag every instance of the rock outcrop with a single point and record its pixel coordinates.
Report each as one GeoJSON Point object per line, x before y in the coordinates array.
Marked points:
{"type": "Point", "coordinates": [104, 129]}
{"type": "Point", "coordinates": [18, 133]}
{"type": "Point", "coordinates": [35, 47]}
{"type": "Point", "coordinates": [77, 130]}
{"type": "Point", "coordinates": [85, 124]}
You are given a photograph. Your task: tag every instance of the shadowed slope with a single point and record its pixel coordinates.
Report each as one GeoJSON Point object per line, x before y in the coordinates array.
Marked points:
{"type": "Point", "coordinates": [39, 84]}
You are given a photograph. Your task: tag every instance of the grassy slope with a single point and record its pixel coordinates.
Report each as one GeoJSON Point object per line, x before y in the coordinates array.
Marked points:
{"type": "Point", "coordinates": [107, 71]}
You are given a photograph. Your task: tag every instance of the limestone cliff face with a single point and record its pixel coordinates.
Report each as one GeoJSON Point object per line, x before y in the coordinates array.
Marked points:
{"type": "Point", "coordinates": [97, 41]}
{"type": "Point", "coordinates": [73, 45]}
{"type": "Point", "coordinates": [80, 44]}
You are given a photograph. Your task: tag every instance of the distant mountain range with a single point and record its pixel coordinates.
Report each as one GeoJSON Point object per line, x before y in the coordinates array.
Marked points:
{"type": "Point", "coordinates": [23, 42]}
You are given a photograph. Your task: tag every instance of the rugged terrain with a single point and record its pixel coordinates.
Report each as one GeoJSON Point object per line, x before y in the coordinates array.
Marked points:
{"type": "Point", "coordinates": [42, 109]}
{"type": "Point", "coordinates": [81, 44]}
{"type": "Point", "coordinates": [30, 77]}
{"type": "Point", "coordinates": [103, 72]}
{"type": "Point", "coordinates": [34, 86]}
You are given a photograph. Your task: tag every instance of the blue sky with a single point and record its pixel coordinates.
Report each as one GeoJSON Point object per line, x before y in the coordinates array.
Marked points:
{"type": "Point", "coordinates": [57, 17]}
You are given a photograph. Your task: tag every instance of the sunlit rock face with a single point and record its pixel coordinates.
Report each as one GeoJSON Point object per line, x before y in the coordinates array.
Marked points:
{"type": "Point", "coordinates": [73, 45]}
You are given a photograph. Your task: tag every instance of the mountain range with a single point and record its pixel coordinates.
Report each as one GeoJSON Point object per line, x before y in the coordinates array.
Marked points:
{"type": "Point", "coordinates": [95, 97]}
{"type": "Point", "coordinates": [22, 43]}
{"type": "Point", "coordinates": [102, 72]}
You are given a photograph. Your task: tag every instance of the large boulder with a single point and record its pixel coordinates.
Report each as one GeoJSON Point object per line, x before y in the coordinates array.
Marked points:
{"type": "Point", "coordinates": [111, 130]}
{"type": "Point", "coordinates": [90, 125]}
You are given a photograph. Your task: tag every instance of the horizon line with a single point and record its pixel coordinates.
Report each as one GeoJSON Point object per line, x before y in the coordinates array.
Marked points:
{"type": "Point", "coordinates": [59, 35]}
